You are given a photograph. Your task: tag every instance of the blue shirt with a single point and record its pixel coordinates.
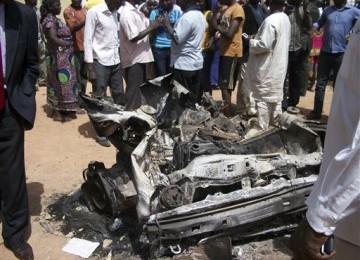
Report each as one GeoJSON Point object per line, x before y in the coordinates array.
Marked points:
{"type": "Point", "coordinates": [337, 25]}
{"type": "Point", "coordinates": [162, 38]}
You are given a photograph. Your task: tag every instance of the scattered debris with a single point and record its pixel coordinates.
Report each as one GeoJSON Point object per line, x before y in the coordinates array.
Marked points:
{"type": "Point", "coordinates": [195, 182]}
{"type": "Point", "coordinates": [80, 247]}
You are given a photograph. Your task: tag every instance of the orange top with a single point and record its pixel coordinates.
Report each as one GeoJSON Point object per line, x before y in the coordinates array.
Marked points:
{"type": "Point", "coordinates": [73, 17]}
{"type": "Point", "coordinates": [232, 47]}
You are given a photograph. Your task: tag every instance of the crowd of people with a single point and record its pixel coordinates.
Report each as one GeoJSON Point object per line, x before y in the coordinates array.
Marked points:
{"type": "Point", "coordinates": [262, 49]}
{"type": "Point", "coordinates": [205, 44]}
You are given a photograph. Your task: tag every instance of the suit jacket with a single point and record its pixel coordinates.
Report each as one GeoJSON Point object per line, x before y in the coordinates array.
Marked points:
{"type": "Point", "coordinates": [21, 33]}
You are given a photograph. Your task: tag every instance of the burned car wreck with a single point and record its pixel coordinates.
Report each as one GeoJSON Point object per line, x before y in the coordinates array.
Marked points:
{"type": "Point", "coordinates": [191, 174]}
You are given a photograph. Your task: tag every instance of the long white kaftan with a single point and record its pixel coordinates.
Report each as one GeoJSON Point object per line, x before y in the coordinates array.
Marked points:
{"type": "Point", "coordinates": [334, 203]}
{"type": "Point", "coordinates": [267, 65]}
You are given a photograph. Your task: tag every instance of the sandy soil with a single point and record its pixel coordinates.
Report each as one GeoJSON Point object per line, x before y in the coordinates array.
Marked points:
{"type": "Point", "coordinates": [57, 153]}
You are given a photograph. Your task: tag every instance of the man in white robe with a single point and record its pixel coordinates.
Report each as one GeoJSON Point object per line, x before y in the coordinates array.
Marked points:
{"type": "Point", "coordinates": [334, 202]}
{"type": "Point", "coordinates": [267, 65]}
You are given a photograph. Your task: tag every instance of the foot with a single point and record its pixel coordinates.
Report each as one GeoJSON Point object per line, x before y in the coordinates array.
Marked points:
{"type": "Point", "coordinates": [22, 251]}
{"type": "Point", "coordinates": [57, 116]}
{"type": "Point", "coordinates": [80, 111]}
{"type": "Point", "coordinates": [103, 141]}
{"type": "Point", "coordinates": [313, 116]}
{"type": "Point", "coordinates": [70, 114]}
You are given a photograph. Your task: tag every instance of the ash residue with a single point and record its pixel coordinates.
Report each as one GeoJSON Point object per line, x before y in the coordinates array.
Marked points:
{"type": "Point", "coordinates": [73, 219]}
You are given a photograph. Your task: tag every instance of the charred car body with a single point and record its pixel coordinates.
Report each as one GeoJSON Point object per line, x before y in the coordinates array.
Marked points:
{"type": "Point", "coordinates": [191, 174]}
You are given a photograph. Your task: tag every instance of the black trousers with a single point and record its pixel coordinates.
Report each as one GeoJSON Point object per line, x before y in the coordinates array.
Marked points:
{"type": "Point", "coordinates": [13, 192]}
{"type": "Point", "coordinates": [191, 81]}
{"type": "Point", "coordinates": [135, 76]}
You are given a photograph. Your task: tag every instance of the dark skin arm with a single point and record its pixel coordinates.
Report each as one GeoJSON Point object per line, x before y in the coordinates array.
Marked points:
{"type": "Point", "coordinates": [305, 243]}
{"type": "Point", "coordinates": [77, 26]}
{"type": "Point", "coordinates": [227, 33]}
{"type": "Point", "coordinates": [169, 28]}
{"type": "Point", "coordinates": [52, 37]}
{"type": "Point", "coordinates": [155, 24]}
{"type": "Point", "coordinates": [91, 72]}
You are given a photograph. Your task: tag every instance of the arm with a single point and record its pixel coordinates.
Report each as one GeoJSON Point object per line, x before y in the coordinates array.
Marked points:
{"type": "Point", "coordinates": [31, 63]}
{"type": "Point", "coordinates": [51, 36]}
{"type": "Point", "coordinates": [90, 24]}
{"type": "Point", "coordinates": [307, 19]}
{"type": "Point", "coordinates": [72, 21]}
{"type": "Point", "coordinates": [335, 198]}
{"type": "Point", "coordinates": [265, 40]}
{"type": "Point", "coordinates": [234, 25]}
{"type": "Point", "coordinates": [317, 25]}
{"type": "Point", "coordinates": [233, 28]}
{"type": "Point", "coordinates": [153, 25]}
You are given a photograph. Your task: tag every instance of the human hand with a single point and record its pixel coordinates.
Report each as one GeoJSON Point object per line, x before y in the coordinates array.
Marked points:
{"type": "Point", "coordinates": [91, 73]}
{"type": "Point", "coordinates": [305, 243]}
{"type": "Point", "coordinates": [158, 20]}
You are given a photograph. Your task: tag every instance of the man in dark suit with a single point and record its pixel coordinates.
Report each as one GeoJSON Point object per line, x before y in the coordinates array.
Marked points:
{"type": "Point", "coordinates": [255, 14]}
{"type": "Point", "coordinates": [18, 74]}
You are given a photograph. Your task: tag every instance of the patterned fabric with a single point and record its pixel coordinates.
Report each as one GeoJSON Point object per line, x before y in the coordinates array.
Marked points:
{"type": "Point", "coordinates": [63, 88]}
{"type": "Point", "coordinates": [317, 43]}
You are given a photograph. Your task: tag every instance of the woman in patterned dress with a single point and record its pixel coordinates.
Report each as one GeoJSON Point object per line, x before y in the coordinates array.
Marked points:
{"type": "Point", "coordinates": [62, 89]}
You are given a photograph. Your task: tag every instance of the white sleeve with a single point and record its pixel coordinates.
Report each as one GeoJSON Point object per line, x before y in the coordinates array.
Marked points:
{"type": "Point", "coordinates": [89, 33]}
{"type": "Point", "coordinates": [336, 194]}
{"type": "Point", "coordinates": [129, 25]}
{"type": "Point", "coordinates": [264, 39]}
{"type": "Point", "coordinates": [182, 30]}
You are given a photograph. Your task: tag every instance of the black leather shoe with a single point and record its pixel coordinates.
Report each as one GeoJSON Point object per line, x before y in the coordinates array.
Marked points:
{"type": "Point", "coordinates": [22, 251]}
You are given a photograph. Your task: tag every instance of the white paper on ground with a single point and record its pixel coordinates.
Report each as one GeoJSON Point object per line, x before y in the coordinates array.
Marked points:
{"type": "Point", "coordinates": [80, 247]}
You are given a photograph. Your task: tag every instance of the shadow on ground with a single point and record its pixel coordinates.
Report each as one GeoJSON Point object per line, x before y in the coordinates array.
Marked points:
{"type": "Point", "coordinates": [87, 130]}
{"type": "Point", "coordinates": [35, 190]}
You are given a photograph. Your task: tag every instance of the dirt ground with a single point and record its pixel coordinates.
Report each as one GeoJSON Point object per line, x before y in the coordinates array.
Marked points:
{"type": "Point", "coordinates": [57, 153]}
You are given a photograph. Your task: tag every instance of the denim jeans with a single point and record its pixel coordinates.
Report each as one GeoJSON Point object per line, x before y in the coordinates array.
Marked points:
{"type": "Point", "coordinates": [162, 61]}
{"type": "Point", "coordinates": [327, 62]}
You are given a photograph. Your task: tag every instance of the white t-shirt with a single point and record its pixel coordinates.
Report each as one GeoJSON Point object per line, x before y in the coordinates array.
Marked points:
{"type": "Point", "coordinates": [188, 33]}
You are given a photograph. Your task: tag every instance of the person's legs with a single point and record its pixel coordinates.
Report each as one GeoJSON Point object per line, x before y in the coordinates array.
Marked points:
{"type": "Point", "coordinates": [214, 76]}
{"type": "Point", "coordinates": [228, 72]}
{"type": "Point", "coordinates": [295, 77]}
{"type": "Point", "coordinates": [161, 61]}
{"type": "Point", "coordinates": [226, 96]}
{"type": "Point", "coordinates": [263, 115]}
{"type": "Point", "coordinates": [274, 113]}
{"type": "Point", "coordinates": [99, 91]}
{"type": "Point", "coordinates": [304, 78]}
{"type": "Point", "coordinates": [102, 79]}
{"type": "Point", "coordinates": [81, 70]}
{"type": "Point", "coordinates": [116, 85]}
{"type": "Point", "coordinates": [42, 79]}
{"type": "Point", "coordinates": [206, 71]}
{"type": "Point", "coordinates": [15, 208]}
{"type": "Point", "coordinates": [337, 60]}
{"type": "Point", "coordinates": [134, 77]}
{"type": "Point", "coordinates": [323, 72]}
{"type": "Point", "coordinates": [244, 101]}
{"type": "Point", "coordinates": [191, 81]}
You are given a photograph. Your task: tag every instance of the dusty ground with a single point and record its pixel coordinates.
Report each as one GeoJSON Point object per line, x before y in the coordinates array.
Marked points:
{"type": "Point", "coordinates": [56, 154]}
